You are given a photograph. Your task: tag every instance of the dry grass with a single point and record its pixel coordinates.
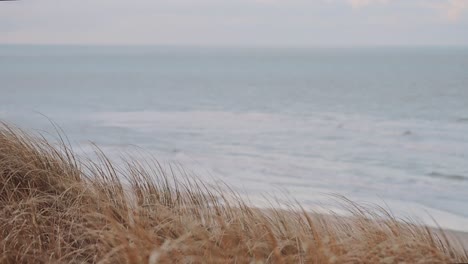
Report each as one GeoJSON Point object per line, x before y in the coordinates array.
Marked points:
{"type": "Point", "coordinates": [56, 207]}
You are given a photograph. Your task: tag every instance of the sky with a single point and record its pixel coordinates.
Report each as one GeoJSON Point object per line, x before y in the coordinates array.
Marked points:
{"type": "Point", "coordinates": [235, 22]}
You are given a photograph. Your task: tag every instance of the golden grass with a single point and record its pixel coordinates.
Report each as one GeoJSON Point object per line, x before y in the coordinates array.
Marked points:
{"type": "Point", "coordinates": [58, 208]}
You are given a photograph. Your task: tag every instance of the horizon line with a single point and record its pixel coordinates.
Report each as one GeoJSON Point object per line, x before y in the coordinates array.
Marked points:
{"type": "Point", "coordinates": [298, 46]}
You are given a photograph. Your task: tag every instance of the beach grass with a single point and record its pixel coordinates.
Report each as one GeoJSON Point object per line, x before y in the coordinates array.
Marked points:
{"type": "Point", "coordinates": [59, 207]}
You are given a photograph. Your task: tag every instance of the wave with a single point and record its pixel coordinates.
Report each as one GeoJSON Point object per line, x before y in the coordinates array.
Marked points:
{"type": "Point", "coordinates": [440, 175]}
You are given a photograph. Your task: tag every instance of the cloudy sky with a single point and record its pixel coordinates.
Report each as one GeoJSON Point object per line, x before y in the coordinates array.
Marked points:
{"type": "Point", "coordinates": [236, 22]}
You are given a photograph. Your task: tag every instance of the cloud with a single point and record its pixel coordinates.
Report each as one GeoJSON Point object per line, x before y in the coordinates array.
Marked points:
{"type": "Point", "coordinates": [451, 10]}
{"type": "Point", "coordinates": [356, 3]}
{"type": "Point", "coordinates": [362, 3]}
{"type": "Point", "coordinates": [454, 9]}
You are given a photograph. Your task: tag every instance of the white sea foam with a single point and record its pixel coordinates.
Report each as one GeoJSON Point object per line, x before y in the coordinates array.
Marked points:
{"type": "Point", "coordinates": [361, 157]}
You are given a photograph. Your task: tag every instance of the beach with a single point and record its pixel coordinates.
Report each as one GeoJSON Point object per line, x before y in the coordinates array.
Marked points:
{"type": "Point", "coordinates": [248, 131]}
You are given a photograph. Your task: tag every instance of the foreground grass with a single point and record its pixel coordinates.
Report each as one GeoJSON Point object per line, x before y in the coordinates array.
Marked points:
{"type": "Point", "coordinates": [56, 207]}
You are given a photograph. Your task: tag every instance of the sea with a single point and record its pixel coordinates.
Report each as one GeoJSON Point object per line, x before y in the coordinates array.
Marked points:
{"type": "Point", "coordinates": [382, 126]}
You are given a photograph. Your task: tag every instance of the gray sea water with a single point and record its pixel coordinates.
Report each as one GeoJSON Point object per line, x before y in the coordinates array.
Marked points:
{"type": "Point", "coordinates": [382, 125]}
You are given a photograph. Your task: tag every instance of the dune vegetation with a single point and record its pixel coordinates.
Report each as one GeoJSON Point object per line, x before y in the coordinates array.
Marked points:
{"type": "Point", "coordinates": [59, 207]}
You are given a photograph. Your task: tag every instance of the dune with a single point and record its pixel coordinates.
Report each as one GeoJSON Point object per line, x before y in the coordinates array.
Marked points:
{"type": "Point", "coordinates": [58, 207]}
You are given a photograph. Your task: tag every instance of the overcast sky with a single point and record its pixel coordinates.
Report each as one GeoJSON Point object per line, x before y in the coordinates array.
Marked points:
{"type": "Point", "coordinates": [236, 22]}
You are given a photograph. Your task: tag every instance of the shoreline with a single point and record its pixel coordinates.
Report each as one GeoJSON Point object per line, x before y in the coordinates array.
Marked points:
{"type": "Point", "coordinates": [459, 238]}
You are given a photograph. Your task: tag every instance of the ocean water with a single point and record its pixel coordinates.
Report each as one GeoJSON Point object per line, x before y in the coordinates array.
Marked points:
{"type": "Point", "coordinates": [379, 125]}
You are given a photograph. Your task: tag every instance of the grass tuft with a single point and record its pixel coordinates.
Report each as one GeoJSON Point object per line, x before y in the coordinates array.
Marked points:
{"type": "Point", "coordinates": [56, 207]}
